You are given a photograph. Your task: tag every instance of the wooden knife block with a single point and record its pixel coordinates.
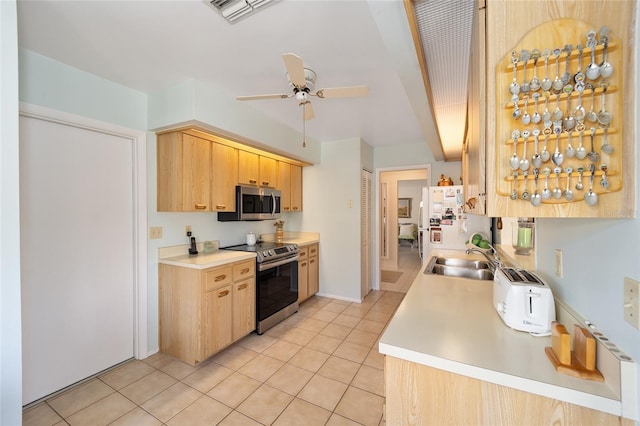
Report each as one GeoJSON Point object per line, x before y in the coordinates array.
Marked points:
{"type": "Point", "coordinates": [581, 362]}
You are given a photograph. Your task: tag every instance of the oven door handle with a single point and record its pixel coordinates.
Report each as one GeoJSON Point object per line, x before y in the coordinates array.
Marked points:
{"type": "Point", "coordinates": [269, 265]}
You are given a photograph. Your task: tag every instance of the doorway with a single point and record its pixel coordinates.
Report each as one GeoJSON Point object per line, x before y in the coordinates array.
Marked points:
{"type": "Point", "coordinates": [399, 196]}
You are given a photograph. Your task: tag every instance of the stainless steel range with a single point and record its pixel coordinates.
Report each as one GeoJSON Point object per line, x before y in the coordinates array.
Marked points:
{"type": "Point", "coordinates": [276, 281]}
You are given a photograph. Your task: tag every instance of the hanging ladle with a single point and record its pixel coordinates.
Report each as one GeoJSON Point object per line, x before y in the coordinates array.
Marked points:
{"type": "Point", "coordinates": [593, 155]}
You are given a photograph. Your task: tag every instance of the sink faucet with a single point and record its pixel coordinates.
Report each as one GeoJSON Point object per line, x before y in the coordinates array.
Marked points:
{"type": "Point", "coordinates": [495, 261]}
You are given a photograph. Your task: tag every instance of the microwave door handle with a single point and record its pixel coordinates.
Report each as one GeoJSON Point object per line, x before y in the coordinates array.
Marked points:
{"type": "Point", "coordinates": [273, 205]}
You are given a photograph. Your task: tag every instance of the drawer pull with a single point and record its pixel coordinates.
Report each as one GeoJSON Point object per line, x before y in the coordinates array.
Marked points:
{"type": "Point", "coordinates": [312, 261]}
{"type": "Point", "coordinates": [223, 293]}
{"type": "Point", "coordinates": [313, 251]}
{"type": "Point", "coordinates": [303, 264]}
{"type": "Point", "coordinates": [220, 277]}
{"type": "Point", "coordinates": [295, 208]}
{"type": "Point", "coordinates": [253, 181]}
{"type": "Point", "coordinates": [265, 183]}
{"type": "Point", "coordinates": [242, 286]}
{"type": "Point", "coordinates": [201, 206]}
{"type": "Point", "coordinates": [285, 208]}
{"type": "Point", "coordinates": [303, 254]}
{"type": "Point", "coordinates": [245, 271]}
{"type": "Point", "coordinates": [221, 206]}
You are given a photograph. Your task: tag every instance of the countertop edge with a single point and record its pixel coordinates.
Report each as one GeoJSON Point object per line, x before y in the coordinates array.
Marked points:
{"type": "Point", "coordinates": [205, 261]}
{"type": "Point", "coordinates": [572, 396]}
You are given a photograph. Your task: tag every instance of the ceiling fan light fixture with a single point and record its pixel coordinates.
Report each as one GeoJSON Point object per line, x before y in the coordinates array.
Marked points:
{"type": "Point", "coordinates": [233, 10]}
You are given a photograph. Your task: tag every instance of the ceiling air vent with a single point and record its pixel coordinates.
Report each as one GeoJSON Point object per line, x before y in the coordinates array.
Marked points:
{"type": "Point", "coordinates": [233, 10]}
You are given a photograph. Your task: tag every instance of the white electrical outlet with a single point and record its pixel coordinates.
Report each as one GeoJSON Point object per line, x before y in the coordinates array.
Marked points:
{"type": "Point", "coordinates": [632, 302]}
{"type": "Point", "coordinates": [187, 229]}
{"type": "Point", "coordinates": [559, 263]}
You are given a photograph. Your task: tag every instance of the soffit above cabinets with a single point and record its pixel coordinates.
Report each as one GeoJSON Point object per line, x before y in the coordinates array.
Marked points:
{"type": "Point", "coordinates": [442, 34]}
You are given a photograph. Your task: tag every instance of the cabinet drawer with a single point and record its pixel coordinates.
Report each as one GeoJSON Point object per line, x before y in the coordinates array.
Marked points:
{"type": "Point", "coordinates": [303, 253]}
{"type": "Point", "coordinates": [313, 250]}
{"type": "Point", "coordinates": [244, 270]}
{"type": "Point", "coordinates": [218, 277]}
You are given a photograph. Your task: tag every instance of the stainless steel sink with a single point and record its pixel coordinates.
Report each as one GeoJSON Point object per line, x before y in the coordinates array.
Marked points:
{"type": "Point", "coordinates": [460, 268]}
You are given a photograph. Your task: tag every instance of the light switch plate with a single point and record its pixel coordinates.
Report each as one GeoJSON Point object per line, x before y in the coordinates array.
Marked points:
{"type": "Point", "coordinates": [559, 263]}
{"type": "Point", "coordinates": [155, 232]}
{"type": "Point", "coordinates": [632, 302]}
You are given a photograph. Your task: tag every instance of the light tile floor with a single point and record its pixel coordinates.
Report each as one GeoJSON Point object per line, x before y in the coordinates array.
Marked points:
{"type": "Point", "coordinates": [320, 366]}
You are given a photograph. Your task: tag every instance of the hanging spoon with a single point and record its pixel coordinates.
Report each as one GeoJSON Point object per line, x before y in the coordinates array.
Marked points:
{"type": "Point", "coordinates": [593, 69]}
{"type": "Point", "coordinates": [591, 198]}
{"type": "Point", "coordinates": [525, 55]}
{"type": "Point", "coordinates": [557, 192]}
{"type": "Point", "coordinates": [514, 193]}
{"type": "Point", "coordinates": [516, 108]}
{"type": "Point", "coordinates": [606, 69]}
{"type": "Point", "coordinates": [557, 113]}
{"type": "Point", "coordinates": [525, 193]}
{"type": "Point", "coordinates": [569, 121]}
{"type": "Point", "coordinates": [546, 115]}
{"type": "Point", "coordinates": [579, 113]}
{"type": "Point", "coordinates": [579, 184]}
{"type": "Point", "coordinates": [514, 87]}
{"type": "Point", "coordinates": [569, 151]}
{"type": "Point", "coordinates": [581, 152]}
{"type": "Point", "coordinates": [545, 155]}
{"type": "Point", "coordinates": [557, 156]}
{"type": "Point", "coordinates": [593, 155]}
{"type": "Point", "coordinates": [514, 162]}
{"type": "Point", "coordinates": [604, 117]}
{"type": "Point", "coordinates": [566, 77]}
{"type": "Point", "coordinates": [557, 82]}
{"type": "Point", "coordinates": [526, 118]}
{"type": "Point", "coordinates": [536, 199]}
{"type": "Point", "coordinates": [568, 193]}
{"type": "Point", "coordinates": [536, 160]}
{"type": "Point", "coordinates": [535, 118]}
{"type": "Point", "coordinates": [535, 81]}
{"type": "Point", "coordinates": [591, 115]}
{"type": "Point", "coordinates": [546, 193]}
{"type": "Point", "coordinates": [604, 183]}
{"type": "Point", "coordinates": [579, 77]}
{"type": "Point", "coordinates": [545, 84]}
{"type": "Point", "coordinates": [607, 148]}
{"type": "Point", "coordinates": [524, 161]}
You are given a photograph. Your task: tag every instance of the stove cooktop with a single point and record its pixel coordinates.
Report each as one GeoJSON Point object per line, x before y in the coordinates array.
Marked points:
{"type": "Point", "coordinates": [267, 250]}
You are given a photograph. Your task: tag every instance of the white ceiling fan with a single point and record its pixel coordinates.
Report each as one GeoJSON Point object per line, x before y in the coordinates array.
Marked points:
{"type": "Point", "coordinates": [303, 82]}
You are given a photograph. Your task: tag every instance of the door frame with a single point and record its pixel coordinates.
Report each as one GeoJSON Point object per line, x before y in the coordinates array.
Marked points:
{"type": "Point", "coordinates": [377, 217]}
{"type": "Point", "coordinates": [139, 149]}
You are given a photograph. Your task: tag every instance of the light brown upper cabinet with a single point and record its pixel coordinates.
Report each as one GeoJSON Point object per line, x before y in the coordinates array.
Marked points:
{"type": "Point", "coordinates": [560, 25]}
{"type": "Point", "coordinates": [184, 179]}
{"type": "Point", "coordinates": [248, 168]}
{"type": "Point", "coordinates": [224, 161]}
{"type": "Point", "coordinates": [290, 184]}
{"type": "Point", "coordinates": [268, 172]}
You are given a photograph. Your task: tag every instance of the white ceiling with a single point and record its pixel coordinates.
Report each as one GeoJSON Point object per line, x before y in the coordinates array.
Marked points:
{"type": "Point", "coordinates": [151, 45]}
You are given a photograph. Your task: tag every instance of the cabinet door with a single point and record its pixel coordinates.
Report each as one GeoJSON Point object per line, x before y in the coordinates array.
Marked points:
{"type": "Point", "coordinates": [248, 168]}
{"type": "Point", "coordinates": [217, 320]}
{"type": "Point", "coordinates": [169, 164]}
{"type": "Point", "coordinates": [284, 185]}
{"type": "Point", "coordinates": [196, 166]}
{"type": "Point", "coordinates": [296, 188]}
{"type": "Point", "coordinates": [224, 177]}
{"type": "Point", "coordinates": [303, 280]}
{"type": "Point", "coordinates": [314, 278]}
{"type": "Point", "coordinates": [268, 172]}
{"type": "Point", "coordinates": [244, 308]}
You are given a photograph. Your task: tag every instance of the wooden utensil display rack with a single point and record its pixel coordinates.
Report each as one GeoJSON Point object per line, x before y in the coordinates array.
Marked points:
{"type": "Point", "coordinates": [611, 201]}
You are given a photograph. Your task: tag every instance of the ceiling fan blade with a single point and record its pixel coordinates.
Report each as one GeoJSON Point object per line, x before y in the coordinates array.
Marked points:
{"type": "Point", "coordinates": [258, 97]}
{"type": "Point", "coordinates": [295, 69]}
{"type": "Point", "coordinates": [308, 110]}
{"type": "Point", "coordinates": [343, 92]}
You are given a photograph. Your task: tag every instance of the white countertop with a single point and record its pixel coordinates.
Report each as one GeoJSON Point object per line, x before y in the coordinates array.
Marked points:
{"type": "Point", "coordinates": [207, 260]}
{"type": "Point", "coordinates": [450, 324]}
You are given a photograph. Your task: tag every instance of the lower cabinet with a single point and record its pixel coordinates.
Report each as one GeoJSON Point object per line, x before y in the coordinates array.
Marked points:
{"type": "Point", "coordinates": [204, 311]}
{"type": "Point", "coordinates": [308, 272]}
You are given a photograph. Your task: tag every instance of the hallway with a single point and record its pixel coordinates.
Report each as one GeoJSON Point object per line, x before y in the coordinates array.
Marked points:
{"type": "Point", "coordinates": [409, 263]}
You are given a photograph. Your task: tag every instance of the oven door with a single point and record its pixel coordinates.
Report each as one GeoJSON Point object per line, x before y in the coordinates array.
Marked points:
{"type": "Point", "coordinates": [276, 286]}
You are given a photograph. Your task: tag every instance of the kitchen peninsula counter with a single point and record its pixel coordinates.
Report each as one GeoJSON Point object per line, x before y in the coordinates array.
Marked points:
{"type": "Point", "coordinates": [449, 324]}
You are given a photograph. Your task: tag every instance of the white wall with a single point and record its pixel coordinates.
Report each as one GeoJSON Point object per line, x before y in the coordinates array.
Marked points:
{"type": "Point", "coordinates": [10, 317]}
{"type": "Point", "coordinates": [411, 189]}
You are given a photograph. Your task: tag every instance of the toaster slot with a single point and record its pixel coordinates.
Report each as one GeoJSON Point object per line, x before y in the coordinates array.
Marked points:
{"type": "Point", "coordinates": [530, 277]}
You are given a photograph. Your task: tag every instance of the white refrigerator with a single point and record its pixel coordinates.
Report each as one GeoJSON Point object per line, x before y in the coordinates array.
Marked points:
{"type": "Point", "coordinates": [443, 223]}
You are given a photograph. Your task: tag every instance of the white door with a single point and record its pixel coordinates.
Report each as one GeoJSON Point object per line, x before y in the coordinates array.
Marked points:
{"type": "Point", "coordinates": [77, 253]}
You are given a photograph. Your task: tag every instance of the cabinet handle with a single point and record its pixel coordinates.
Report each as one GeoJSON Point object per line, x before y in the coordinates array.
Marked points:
{"type": "Point", "coordinates": [265, 183]}
{"type": "Point", "coordinates": [223, 293]}
{"type": "Point", "coordinates": [253, 181]}
{"type": "Point", "coordinates": [201, 206]}
{"type": "Point", "coordinates": [303, 254]}
{"type": "Point", "coordinates": [285, 208]}
{"type": "Point", "coordinates": [220, 277]}
{"type": "Point", "coordinates": [312, 261]}
{"type": "Point", "coordinates": [221, 206]}
{"type": "Point", "coordinates": [295, 208]}
{"type": "Point", "coordinates": [242, 286]}
{"type": "Point", "coordinates": [244, 271]}
{"type": "Point", "coordinates": [313, 251]}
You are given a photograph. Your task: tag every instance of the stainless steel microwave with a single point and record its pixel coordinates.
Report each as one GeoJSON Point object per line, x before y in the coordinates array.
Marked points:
{"type": "Point", "coordinates": [253, 203]}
